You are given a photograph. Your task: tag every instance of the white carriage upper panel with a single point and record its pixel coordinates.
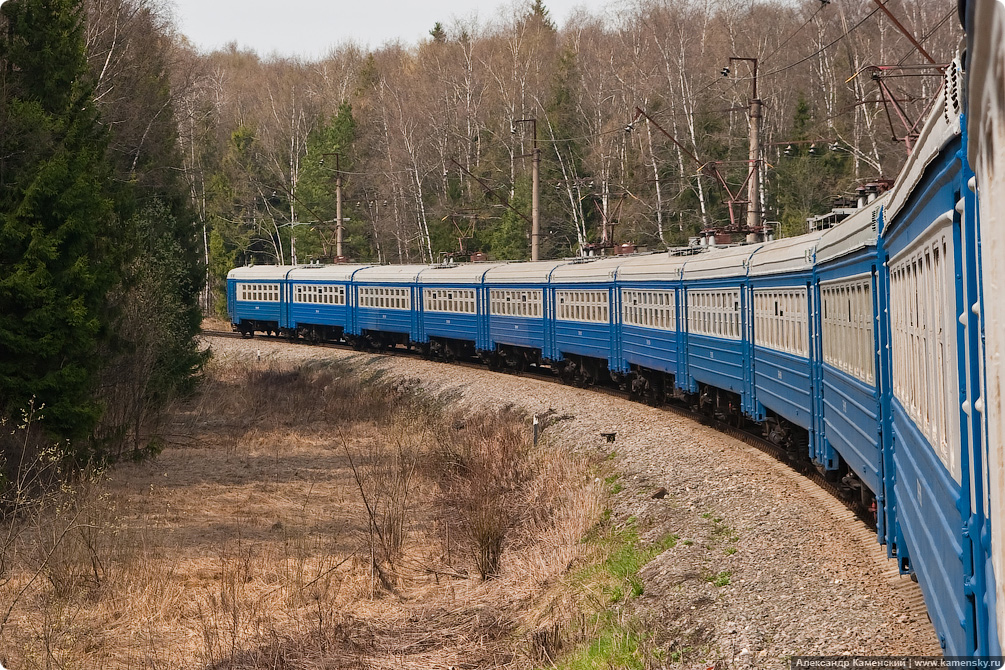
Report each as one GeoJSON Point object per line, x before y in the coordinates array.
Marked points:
{"type": "Point", "coordinates": [598, 270]}
{"type": "Point", "coordinates": [858, 231]}
{"type": "Point", "coordinates": [260, 272]}
{"type": "Point", "coordinates": [460, 273]}
{"type": "Point", "coordinates": [942, 125]}
{"type": "Point", "coordinates": [391, 274]}
{"type": "Point", "coordinates": [327, 273]}
{"type": "Point", "coordinates": [530, 272]}
{"type": "Point", "coordinates": [792, 254]}
{"type": "Point", "coordinates": [726, 262]}
{"type": "Point", "coordinates": [653, 267]}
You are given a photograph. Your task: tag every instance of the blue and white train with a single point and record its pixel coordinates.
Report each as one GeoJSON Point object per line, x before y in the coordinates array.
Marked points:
{"type": "Point", "coordinates": [873, 349]}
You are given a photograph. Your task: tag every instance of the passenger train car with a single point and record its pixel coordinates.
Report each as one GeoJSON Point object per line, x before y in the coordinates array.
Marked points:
{"type": "Point", "coordinates": [872, 349]}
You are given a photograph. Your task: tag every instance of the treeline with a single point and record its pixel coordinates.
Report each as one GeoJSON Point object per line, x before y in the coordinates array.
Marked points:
{"type": "Point", "coordinates": [100, 265]}
{"type": "Point", "coordinates": [137, 171]}
{"type": "Point", "coordinates": [434, 149]}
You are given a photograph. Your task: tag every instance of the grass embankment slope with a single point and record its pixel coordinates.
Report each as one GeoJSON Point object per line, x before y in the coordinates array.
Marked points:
{"type": "Point", "coordinates": [316, 515]}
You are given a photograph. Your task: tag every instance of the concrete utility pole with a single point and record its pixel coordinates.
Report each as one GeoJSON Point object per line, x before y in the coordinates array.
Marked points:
{"type": "Point", "coordinates": [338, 210]}
{"type": "Point", "coordinates": [338, 204]}
{"type": "Point", "coordinates": [535, 208]}
{"type": "Point", "coordinates": [754, 157]}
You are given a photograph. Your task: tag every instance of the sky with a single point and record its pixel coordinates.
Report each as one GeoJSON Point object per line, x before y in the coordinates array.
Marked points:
{"type": "Point", "coordinates": [309, 28]}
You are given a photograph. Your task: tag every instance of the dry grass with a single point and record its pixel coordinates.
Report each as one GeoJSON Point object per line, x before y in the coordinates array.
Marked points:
{"type": "Point", "coordinates": [307, 517]}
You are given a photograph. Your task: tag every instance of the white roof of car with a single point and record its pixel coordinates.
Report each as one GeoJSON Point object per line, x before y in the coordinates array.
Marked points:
{"type": "Point", "coordinates": [339, 272]}
{"type": "Point", "coordinates": [531, 272]}
{"type": "Point", "coordinates": [398, 274]}
{"type": "Point", "coordinates": [791, 254]}
{"type": "Point", "coordinates": [942, 125]}
{"type": "Point", "coordinates": [724, 262]}
{"type": "Point", "coordinates": [459, 273]}
{"type": "Point", "coordinates": [856, 232]}
{"type": "Point", "coordinates": [652, 267]}
{"type": "Point", "coordinates": [588, 270]}
{"type": "Point", "coordinates": [260, 272]}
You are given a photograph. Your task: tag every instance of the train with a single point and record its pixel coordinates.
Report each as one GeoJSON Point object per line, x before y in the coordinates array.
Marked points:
{"type": "Point", "coordinates": [872, 349]}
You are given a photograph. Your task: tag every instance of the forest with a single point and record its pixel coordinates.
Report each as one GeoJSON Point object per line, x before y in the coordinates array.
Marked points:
{"type": "Point", "coordinates": [433, 143]}
{"type": "Point", "coordinates": [137, 171]}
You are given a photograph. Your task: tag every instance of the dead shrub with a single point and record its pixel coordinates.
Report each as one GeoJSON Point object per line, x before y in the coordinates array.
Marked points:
{"type": "Point", "coordinates": [332, 392]}
{"type": "Point", "coordinates": [482, 466]}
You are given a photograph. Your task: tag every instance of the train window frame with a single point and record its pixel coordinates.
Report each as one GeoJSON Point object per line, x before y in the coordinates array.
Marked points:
{"type": "Point", "coordinates": [848, 326]}
{"type": "Point", "coordinates": [649, 308]}
{"type": "Point", "coordinates": [453, 301]}
{"type": "Point", "coordinates": [583, 306]}
{"type": "Point", "coordinates": [257, 292]}
{"type": "Point", "coordinates": [923, 336]}
{"type": "Point", "coordinates": [384, 297]}
{"type": "Point", "coordinates": [318, 294]}
{"type": "Point", "coordinates": [527, 303]}
{"type": "Point", "coordinates": [781, 319]}
{"type": "Point", "coordinates": [714, 312]}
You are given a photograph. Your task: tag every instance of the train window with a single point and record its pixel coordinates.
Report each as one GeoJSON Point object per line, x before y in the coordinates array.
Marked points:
{"type": "Point", "coordinates": [458, 301]}
{"type": "Point", "coordinates": [515, 303]}
{"type": "Point", "coordinates": [378, 297]}
{"type": "Point", "coordinates": [258, 292]}
{"type": "Point", "coordinates": [781, 320]}
{"type": "Point", "coordinates": [714, 312]}
{"type": "Point", "coordinates": [923, 329]}
{"type": "Point", "coordinates": [847, 335]}
{"type": "Point", "coordinates": [652, 309]}
{"type": "Point", "coordinates": [587, 306]}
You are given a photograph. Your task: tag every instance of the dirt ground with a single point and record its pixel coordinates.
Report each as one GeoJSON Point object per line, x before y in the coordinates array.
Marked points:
{"type": "Point", "coordinates": [248, 542]}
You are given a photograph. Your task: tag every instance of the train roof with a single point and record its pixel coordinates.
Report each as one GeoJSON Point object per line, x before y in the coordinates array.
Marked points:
{"type": "Point", "coordinates": [858, 231]}
{"type": "Point", "coordinates": [725, 262]}
{"type": "Point", "coordinates": [942, 125]}
{"type": "Point", "coordinates": [530, 272]}
{"type": "Point", "coordinates": [339, 272]}
{"type": "Point", "coordinates": [588, 270]}
{"type": "Point", "coordinates": [653, 267]}
{"type": "Point", "coordinates": [791, 254]}
{"type": "Point", "coordinates": [398, 274]}
{"type": "Point", "coordinates": [260, 272]}
{"type": "Point", "coordinates": [459, 273]}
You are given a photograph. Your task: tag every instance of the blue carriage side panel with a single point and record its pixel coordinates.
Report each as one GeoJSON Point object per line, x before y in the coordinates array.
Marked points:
{"type": "Point", "coordinates": [448, 323]}
{"type": "Point", "coordinates": [781, 336]}
{"type": "Point", "coordinates": [849, 327]}
{"type": "Point", "coordinates": [258, 295]}
{"type": "Point", "coordinates": [649, 313]}
{"type": "Point", "coordinates": [977, 528]}
{"type": "Point", "coordinates": [717, 349]}
{"type": "Point", "coordinates": [453, 303]}
{"type": "Point", "coordinates": [518, 331]}
{"type": "Point", "coordinates": [386, 300]}
{"type": "Point", "coordinates": [319, 296]}
{"type": "Point", "coordinates": [930, 452]}
{"type": "Point", "coordinates": [517, 305]}
{"type": "Point", "coordinates": [584, 339]}
{"type": "Point", "coordinates": [231, 297]}
{"type": "Point", "coordinates": [654, 345]}
{"type": "Point", "coordinates": [985, 26]}
{"type": "Point", "coordinates": [585, 309]}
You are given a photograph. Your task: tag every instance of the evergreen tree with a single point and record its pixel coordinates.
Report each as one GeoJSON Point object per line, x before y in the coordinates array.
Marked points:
{"type": "Point", "coordinates": [58, 230]}
{"type": "Point", "coordinates": [316, 192]}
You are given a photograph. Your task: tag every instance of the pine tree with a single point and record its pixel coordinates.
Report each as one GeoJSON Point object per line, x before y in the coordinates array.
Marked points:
{"type": "Point", "coordinates": [58, 231]}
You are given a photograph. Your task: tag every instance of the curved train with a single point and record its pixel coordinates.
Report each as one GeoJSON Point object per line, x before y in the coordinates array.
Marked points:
{"type": "Point", "coordinates": [873, 349]}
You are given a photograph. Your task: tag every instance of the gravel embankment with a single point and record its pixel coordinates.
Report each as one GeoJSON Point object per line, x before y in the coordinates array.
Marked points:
{"type": "Point", "coordinates": [767, 566]}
